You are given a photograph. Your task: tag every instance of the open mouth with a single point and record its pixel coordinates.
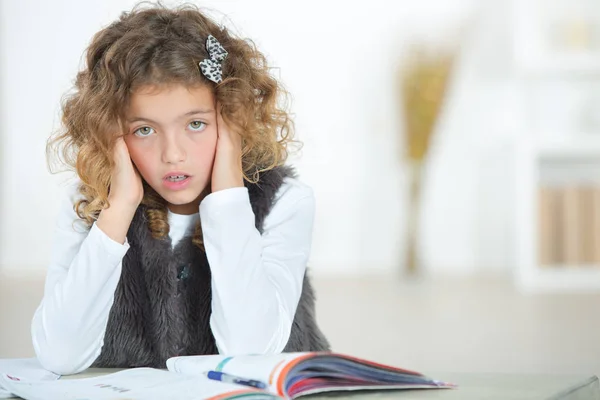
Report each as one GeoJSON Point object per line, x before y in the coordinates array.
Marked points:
{"type": "Point", "coordinates": [176, 178]}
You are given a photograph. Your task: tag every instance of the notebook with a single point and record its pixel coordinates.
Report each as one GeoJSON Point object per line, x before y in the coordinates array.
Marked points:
{"type": "Point", "coordinates": [285, 375]}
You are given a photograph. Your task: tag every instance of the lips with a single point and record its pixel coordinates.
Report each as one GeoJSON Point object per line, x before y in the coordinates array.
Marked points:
{"type": "Point", "coordinates": [177, 180]}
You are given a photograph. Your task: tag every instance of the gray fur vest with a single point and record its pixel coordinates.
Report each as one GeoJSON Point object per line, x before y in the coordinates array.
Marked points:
{"type": "Point", "coordinates": [162, 302]}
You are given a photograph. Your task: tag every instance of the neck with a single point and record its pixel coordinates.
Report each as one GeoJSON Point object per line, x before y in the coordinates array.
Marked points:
{"type": "Point", "coordinates": [189, 208]}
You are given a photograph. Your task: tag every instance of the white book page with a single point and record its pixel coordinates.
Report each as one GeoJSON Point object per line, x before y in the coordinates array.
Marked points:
{"type": "Point", "coordinates": [131, 384]}
{"type": "Point", "coordinates": [264, 368]}
{"type": "Point", "coordinates": [28, 368]}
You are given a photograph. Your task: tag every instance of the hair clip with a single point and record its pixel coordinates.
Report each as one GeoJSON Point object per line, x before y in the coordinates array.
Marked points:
{"type": "Point", "coordinates": [211, 67]}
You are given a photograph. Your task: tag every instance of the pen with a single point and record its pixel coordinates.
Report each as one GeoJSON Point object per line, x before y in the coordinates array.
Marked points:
{"type": "Point", "coordinates": [224, 377]}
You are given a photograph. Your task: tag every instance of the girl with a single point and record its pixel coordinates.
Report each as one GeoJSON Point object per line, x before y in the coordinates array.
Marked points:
{"type": "Point", "coordinates": [185, 233]}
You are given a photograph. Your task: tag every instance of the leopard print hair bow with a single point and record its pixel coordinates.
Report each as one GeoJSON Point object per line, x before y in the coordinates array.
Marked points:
{"type": "Point", "coordinates": [211, 67]}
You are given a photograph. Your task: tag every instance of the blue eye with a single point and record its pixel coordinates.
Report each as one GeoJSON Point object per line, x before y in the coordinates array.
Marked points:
{"type": "Point", "coordinates": [197, 126]}
{"type": "Point", "coordinates": [144, 131]}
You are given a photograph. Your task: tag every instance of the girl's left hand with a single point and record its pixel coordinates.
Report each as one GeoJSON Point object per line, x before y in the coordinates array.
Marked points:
{"type": "Point", "coordinates": [227, 167]}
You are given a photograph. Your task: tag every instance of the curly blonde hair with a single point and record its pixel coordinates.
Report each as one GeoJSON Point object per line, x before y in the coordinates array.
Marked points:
{"type": "Point", "coordinates": [154, 46]}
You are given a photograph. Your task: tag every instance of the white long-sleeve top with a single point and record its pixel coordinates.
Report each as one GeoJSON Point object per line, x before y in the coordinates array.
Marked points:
{"type": "Point", "coordinates": [256, 279]}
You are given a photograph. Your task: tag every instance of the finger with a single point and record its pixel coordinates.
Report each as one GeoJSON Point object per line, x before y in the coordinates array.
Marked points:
{"type": "Point", "coordinates": [123, 151]}
{"type": "Point", "coordinates": [118, 151]}
{"type": "Point", "coordinates": [234, 137]}
{"type": "Point", "coordinates": [221, 127]}
{"type": "Point", "coordinates": [136, 171]}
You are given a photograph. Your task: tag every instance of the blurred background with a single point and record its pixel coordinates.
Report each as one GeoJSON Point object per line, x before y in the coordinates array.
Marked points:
{"type": "Point", "coordinates": [453, 147]}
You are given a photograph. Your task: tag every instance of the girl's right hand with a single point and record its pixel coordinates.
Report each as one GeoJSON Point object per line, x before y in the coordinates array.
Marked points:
{"type": "Point", "coordinates": [126, 187]}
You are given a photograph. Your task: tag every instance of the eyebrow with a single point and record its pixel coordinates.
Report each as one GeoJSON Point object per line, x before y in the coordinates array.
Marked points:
{"type": "Point", "coordinates": [187, 114]}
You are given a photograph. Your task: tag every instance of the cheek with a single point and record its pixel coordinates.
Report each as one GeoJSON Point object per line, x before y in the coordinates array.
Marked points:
{"type": "Point", "coordinates": [141, 158]}
{"type": "Point", "coordinates": [204, 151]}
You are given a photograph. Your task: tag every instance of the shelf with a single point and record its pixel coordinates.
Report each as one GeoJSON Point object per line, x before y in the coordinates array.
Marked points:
{"type": "Point", "coordinates": [549, 62]}
{"type": "Point", "coordinates": [579, 146]}
{"type": "Point", "coordinates": [561, 279]}
{"type": "Point", "coordinates": [558, 65]}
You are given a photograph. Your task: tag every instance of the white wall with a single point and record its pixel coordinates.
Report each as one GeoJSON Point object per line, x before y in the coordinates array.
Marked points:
{"type": "Point", "coordinates": [338, 59]}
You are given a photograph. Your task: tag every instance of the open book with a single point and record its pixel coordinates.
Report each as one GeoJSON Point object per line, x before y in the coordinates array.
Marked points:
{"type": "Point", "coordinates": [286, 375]}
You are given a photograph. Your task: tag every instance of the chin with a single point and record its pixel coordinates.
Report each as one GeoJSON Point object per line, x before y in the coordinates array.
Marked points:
{"type": "Point", "coordinates": [181, 197]}
{"type": "Point", "coordinates": [179, 200]}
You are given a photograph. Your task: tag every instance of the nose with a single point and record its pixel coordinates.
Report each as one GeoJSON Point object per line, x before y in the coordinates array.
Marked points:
{"type": "Point", "coordinates": [173, 151]}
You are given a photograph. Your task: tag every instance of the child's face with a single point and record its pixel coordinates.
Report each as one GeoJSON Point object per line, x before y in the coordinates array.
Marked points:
{"type": "Point", "coordinates": [172, 138]}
